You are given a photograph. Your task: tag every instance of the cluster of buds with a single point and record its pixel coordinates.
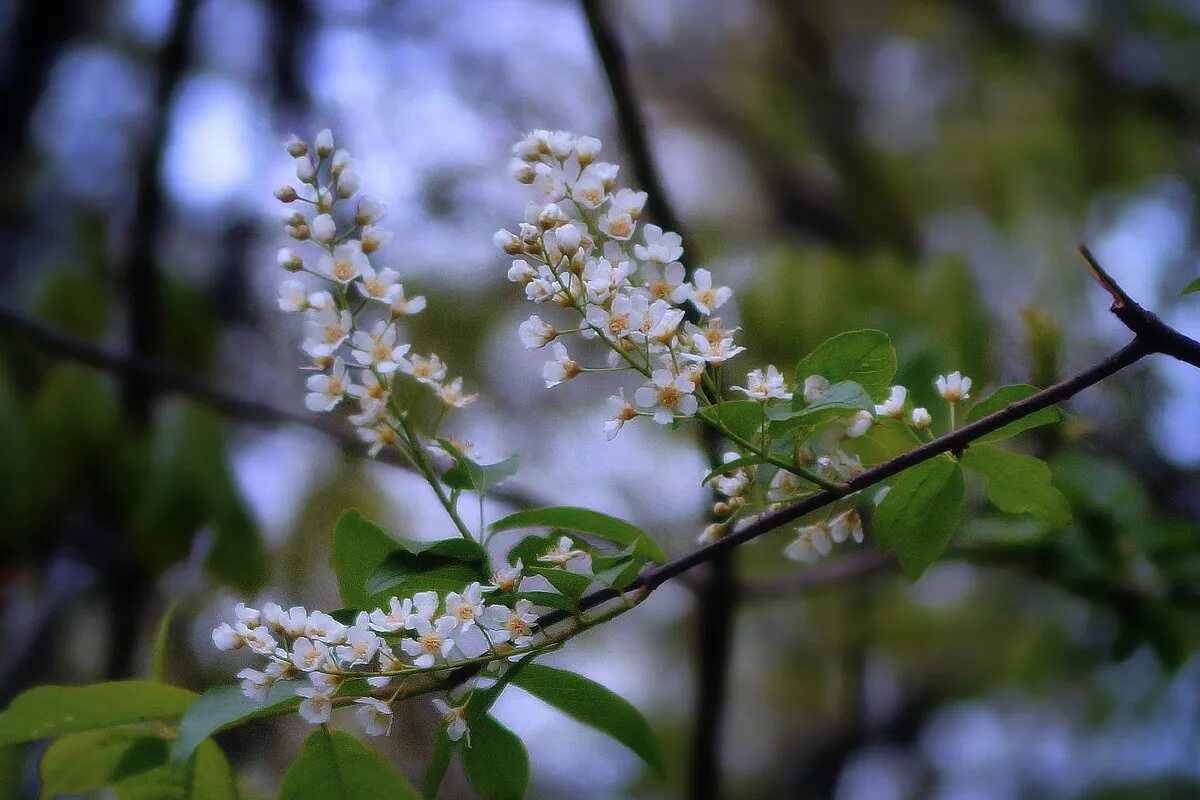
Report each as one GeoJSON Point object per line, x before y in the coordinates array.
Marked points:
{"type": "Point", "coordinates": [583, 247]}
{"type": "Point", "coordinates": [351, 356]}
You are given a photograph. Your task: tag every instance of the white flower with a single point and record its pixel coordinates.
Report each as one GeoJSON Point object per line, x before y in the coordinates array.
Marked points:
{"type": "Point", "coordinates": [370, 209]}
{"type": "Point", "coordinates": [466, 607]}
{"type": "Point", "coordinates": [395, 618]}
{"type": "Point", "coordinates": [627, 315]}
{"type": "Point", "coordinates": [769, 385]}
{"type": "Point", "coordinates": [455, 719]}
{"type": "Point", "coordinates": [324, 627]}
{"type": "Point", "coordinates": [373, 237]}
{"type": "Point", "coordinates": [340, 161]}
{"type": "Point", "coordinates": [289, 259]}
{"type": "Point", "coordinates": [425, 606]}
{"type": "Point", "coordinates": [921, 419]}
{"type": "Point", "coordinates": [535, 333]}
{"type": "Point", "coordinates": [378, 348]}
{"type": "Point", "coordinates": [561, 369]}
{"type": "Point", "coordinates": [847, 525]}
{"type": "Point", "coordinates": [371, 396]}
{"type": "Point", "coordinates": [586, 149]}
{"type": "Point", "coordinates": [620, 412]}
{"type": "Point", "coordinates": [629, 202]}
{"type": "Point", "coordinates": [860, 423]}
{"type": "Point", "coordinates": [811, 544]}
{"type": "Point", "coordinates": [550, 182]}
{"type": "Point", "coordinates": [293, 622]}
{"type": "Point", "coordinates": [521, 171]}
{"type": "Point", "coordinates": [326, 391]}
{"type": "Point", "coordinates": [783, 485]}
{"type": "Point", "coordinates": [953, 387]}
{"type": "Point", "coordinates": [616, 225]}
{"type": "Point", "coordinates": [667, 395]}
{"type": "Point", "coordinates": [306, 170]}
{"type": "Point", "coordinates": [561, 552]}
{"type": "Point", "coordinates": [326, 682]}
{"type": "Point", "coordinates": [404, 306]}
{"type": "Point", "coordinates": [255, 684]}
{"type": "Point", "coordinates": [325, 330]}
{"type": "Point", "coordinates": [429, 371]}
{"type": "Point", "coordinates": [602, 277]}
{"type": "Point", "coordinates": [258, 639]}
{"type": "Point", "coordinates": [433, 641]}
{"type": "Point", "coordinates": [660, 247]}
{"type": "Point", "coordinates": [346, 263]}
{"type": "Point", "coordinates": [388, 662]}
{"type": "Point", "coordinates": [452, 395]}
{"type": "Point", "coordinates": [381, 285]}
{"type": "Point", "coordinates": [733, 485]}
{"type": "Point", "coordinates": [360, 647]}
{"type": "Point", "coordinates": [662, 322]}
{"type": "Point", "coordinates": [815, 387]}
{"type": "Point", "coordinates": [292, 296]}
{"type": "Point", "coordinates": [663, 285]}
{"type": "Point", "coordinates": [375, 716]}
{"type": "Point", "coordinates": [511, 624]}
{"type": "Point", "coordinates": [589, 191]}
{"type": "Point", "coordinates": [324, 142]}
{"type": "Point", "coordinates": [702, 293]}
{"type": "Point", "coordinates": [894, 406]}
{"type": "Point", "coordinates": [508, 241]}
{"type": "Point", "coordinates": [842, 466]}
{"type": "Point", "coordinates": [316, 705]}
{"type": "Point", "coordinates": [712, 352]}
{"type": "Point", "coordinates": [506, 578]}
{"type": "Point", "coordinates": [377, 435]}
{"type": "Point", "coordinates": [224, 637]}
{"type": "Point", "coordinates": [323, 228]}
{"type": "Point", "coordinates": [349, 181]}
{"type": "Point", "coordinates": [308, 655]}
{"type": "Point", "coordinates": [521, 271]}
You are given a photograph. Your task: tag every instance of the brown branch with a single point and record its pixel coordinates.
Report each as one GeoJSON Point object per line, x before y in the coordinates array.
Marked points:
{"type": "Point", "coordinates": [167, 379]}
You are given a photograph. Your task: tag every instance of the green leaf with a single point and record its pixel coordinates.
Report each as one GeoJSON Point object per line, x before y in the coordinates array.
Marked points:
{"type": "Point", "coordinates": [1192, 287]}
{"type": "Point", "coordinates": [883, 441]}
{"type": "Point", "coordinates": [840, 400]}
{"type": "Point", "coordinates": [80, 762]}
{"type": "Point", "coordinates": [496, 762]}
{"type": "Point", "coordinates": [223, 707]}
{"type": "Point", "coordinates": [206, 776]}
{"type": "Point", "coordinates": [1004, 397]}
{"type": "Point", "coordinates": [158, 658]}
{"type": "Point", "coordinates": [468, 475]}
{"type": "Point", "coordinates": [359, 546]}
{"type": "Point", "coordinates": [918, 516]}
{"type": "Point", "coordinates": [529, 548]}
{"type": "Point", "coordinates": [444, 565]}
{"type": "Point", "coordinates": [550, 599]}
{"type": "Point", "coordinates": [142, 756]}
{"type": "Point", "coordinates": [335, 766]}
{"type": "Point", "coordinates": [593, 705]}
{"type": "Point", "coordinates": [865, 357]}
{"type": "Point", "coordinates": [48, 711]}
{"type": "Point", "coordinates": [1018, 483]}
{"type": "Point", "coordinates": [439, 762]}
{"type": "Point", "coordinates": [730, 466]}
{"type": "Point", "coordinates": [584, 521]}
{"type": "Point", "coordinates": [743, 418]}
{"type": "Point", "coordinates": [569, 584]}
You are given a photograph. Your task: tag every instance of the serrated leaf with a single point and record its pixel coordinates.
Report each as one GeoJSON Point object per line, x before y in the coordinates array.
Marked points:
{"type": "Point", "coordinates": [359, 546]}
{"type": "Point", "coordinates": [223, 707]}
{"type": "Point", "coordinates": [584, 521]}
{"type": "Point", "coordinates": [1004, 397]}
{"type": "Point", "coordinates": [1192, 287]}
{"type": "Point", "coordinates": [47, 711]}
{"type": "Point", "coordinates": [593, 705]}
{"type": "Point", "coordinates": [335, 766]}
{"type": "Point", "coordinates": [865, 357]}
{"type": "Point", "coordinates": [918, 516]}
{"type": "Point", "coordinates": [469, 475]}
{"type": "Point", "coordinates": [1018, 483]}
{"type": "Point", "coordinates": [497, 764]}
{"type": "Point", "coordinates": [206, 776]}
{"type": "Point", "coordinates": [80, 762]}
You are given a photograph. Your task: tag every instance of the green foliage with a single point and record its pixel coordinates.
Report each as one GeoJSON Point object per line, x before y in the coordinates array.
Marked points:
{"type": "Point", "coordinates": [1192, 287]}
{"type": "Point", "coordinates": [569, 584]}
{"type": "Point", "coordinates": [883, 441]}
{"type": "Point", "coordinates": [48, 711]}
{"type": "Point", "coordinates": [75, 301]}
{"type": "Point", "coordinates": [359, 546]}
{"type": "Point", "coordinates": [206, 776]}
{"type": "Point", "coordinates": [742, 418]}
{"type": "Point", "coordinates": [444, 565]}
{"type": "Point", "coordinates": [582, 520]}
{"type": "Point", "coordinates": [158, 651]}
{"type": "Point", "coordinates": [1018, 483]}
{"type": "Point", "coordinates": [864, 357]}
{"type": "Point", "coordinates": [842, 399]}
{"type": "Point", "coordinates": [919, 515]}
{"type": "Point", "coordinates": [335, 766]}
{"type": "Point", "coordinates": [468, 475]}
{"type": "Point", "coordinates": [496, 762]}
{"type": "Point", "coordinates": [224, 707]}
{"type": "Point", "coordinates": [80, 762]}
{"type": "Point", "coordinates": [593, 705]}
{"type": "Point", "coordinates": [730, 466]}
{"type": "Point", "coordinates": [1004, 397]}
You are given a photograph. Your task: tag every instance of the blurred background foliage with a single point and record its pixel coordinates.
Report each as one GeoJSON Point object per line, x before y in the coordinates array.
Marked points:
{"type": "Point", "coordinates": [921, 167]}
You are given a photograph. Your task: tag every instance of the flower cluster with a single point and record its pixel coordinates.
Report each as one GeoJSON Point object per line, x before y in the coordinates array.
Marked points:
{"type": "Point", "coordinates": [351, 356]}
{"type": "Point", "coordinates": [582, 247]}
{"type": "Point", "coordinates": [423, 633]}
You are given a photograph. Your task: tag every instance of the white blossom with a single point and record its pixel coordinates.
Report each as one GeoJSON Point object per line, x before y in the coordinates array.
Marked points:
{"type": "Point", "coordinates": [953, 387]}
{"type": "Point", "coordinates": [455, 719]}
{"type": "Point", "coordinates": [666, 395]}
{"type": "Point", "coordinates": [810, 545]}
{"type": "Point", "coordinates": [323, 228]}
{"type": "Point", "coordinates": [659, 247]}
{"type": "Point", "coordinates": [511, 624]}
{"type": "Point", "coordinates": [316, 706]}
{"type": "Point", "coordinates": [380, 286]}
{"type": "Point", "coordinates": [378, 349]}
{"type": "Point", "coordinates": [326, 391]}
{"type": "Point", "coordinates": [433, 642]}
{"type": "Point", "coordinates": [535, 333]}
{"type": "Point", "coordinates": [561, 552]}
{"type": "Point", "coordinates": [860, 423]}
{"type": "Point", "coordinates": [847, 525]}
{"type": "Point", "coordinates": [375, 716]}
{"type": "Point", "coordinates": [619, 412]}
{"type": "Point", "coordinates": [894, 405]}
{"type": "Point", "coordinates": [561, 368]}
{"type": "Point", "coordinates": [768, 385]}
{"type": "Point", "coordinates": [427, 369]}
{"type": "Point", "coordinates": [921, 419]}
{"type": "Point", "coordinates": [346, 262]}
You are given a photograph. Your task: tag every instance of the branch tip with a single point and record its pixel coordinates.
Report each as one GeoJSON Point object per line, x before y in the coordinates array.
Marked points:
{"type": "Point", "coordinates": [1119, 297]}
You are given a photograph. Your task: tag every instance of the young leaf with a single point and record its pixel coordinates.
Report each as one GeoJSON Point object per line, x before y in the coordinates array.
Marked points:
{"type": "Point", "coordinates": [358, 548]}
{"type": "Point", "coordinates": [206, 776]}
{"type": "Point", "coordinates": [496, 762]}
{"type": "Point", "coordinates": [1193, 286]}
{"type": "Point", "coordinates": [47, 711]}
{"type": "Point", "coordinates": [584, 521]}
{"type": "Point", "coordinates": [593, 705]}
{"type": "Point", "coordinates": [865, 357]}
{"type": "Point", "coordinates": [1018, 483]}
{"type": "Point", "coordinates": [223, 707]}
{"type": "Point", "coordinates": [84, 761]}
{"type": "Point", "coordinates": [471, 476]}
{"type": "Point", "coordinates": [919, 515]}
{"type": "Point", "coordinates": [1006, 396]}
{"type": "Point", "coordinates": [443, 565]}
{"type": "Point", "coordinates": [335, 766]}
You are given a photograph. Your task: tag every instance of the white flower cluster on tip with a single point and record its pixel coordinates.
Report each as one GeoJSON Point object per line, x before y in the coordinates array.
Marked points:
{"type": "Point", "coordinates": [580, 248]}
{"type": "Point", "coordinates": [351, 356]}
{"type": "Point", "coordinates": [815, 541]}
{"type": "Point", "coordinates": [420, 633]}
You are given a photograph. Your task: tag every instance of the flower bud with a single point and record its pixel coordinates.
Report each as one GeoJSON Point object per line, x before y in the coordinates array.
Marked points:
{"type": "Point", "coordinates": [324, 229]}
{"type": "Point", "coordinates": [298, 232]}
{"type": "Point", "coordinates": [373, 238]}
{"type": "Point", "coordinates": [921, 419]}
{"type": "Point", "coordinates": [508, 242]}
{"type": "Point", "coordinates": [521, 171]}
{"type": "Point", "coordinates": [289, 259]}
{"type": "Point", "coordinates": [341, 160]}
{"type": "Point", "coordinates": [586, 149]}
{"type": "Point", "coordinates": [306, 170]}
{"type": "Point", "coordinates": [324, 143]}
{"type": "Point", "coordinates": [370, 210]}
{"type": "Point", "coordinates": [348, 182]}
{"type": "Point", "coordinates": [286, 194]}
{"type": "Point", "coordinates": [296, 146]}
